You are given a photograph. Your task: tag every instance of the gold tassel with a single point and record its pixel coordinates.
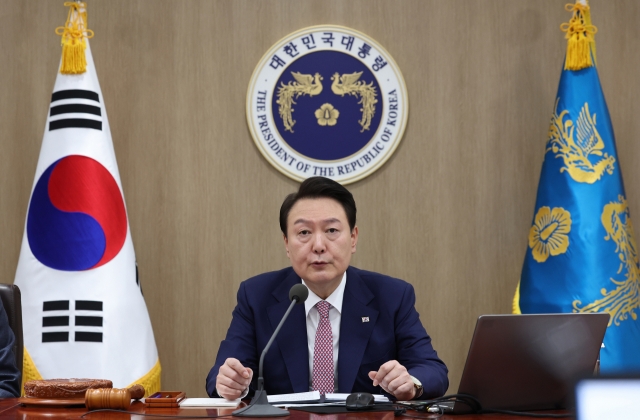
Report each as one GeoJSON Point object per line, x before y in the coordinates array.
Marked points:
{"type": "Point", "coordinates": [74, 34]}
{"type": "Point", "coordinates": [515, 307]}
{"type": "Point", "coordinates": [581, 44]}
{"type": "Point", "coordinates": [29, 370]}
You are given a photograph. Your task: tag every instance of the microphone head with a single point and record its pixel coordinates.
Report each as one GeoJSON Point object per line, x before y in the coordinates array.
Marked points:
{"type": "Point", "coordinates": [299, 292]}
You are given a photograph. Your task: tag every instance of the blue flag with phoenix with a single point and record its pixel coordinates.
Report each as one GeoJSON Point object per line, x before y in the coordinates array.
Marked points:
{"type": "Point", "coordinates": [582, 254]}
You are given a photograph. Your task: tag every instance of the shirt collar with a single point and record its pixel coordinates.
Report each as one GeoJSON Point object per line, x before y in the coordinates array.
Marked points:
{"type": "Point", "coordinates": [334, 299]}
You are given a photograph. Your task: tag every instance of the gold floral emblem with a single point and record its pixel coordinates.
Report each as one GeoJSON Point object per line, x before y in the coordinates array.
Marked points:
{"type": "Point", "coordinates": [578, 145]}
{"type": "Point", "coordinates": [549, 233]}
{"type": "Point", "coordinates": [327, 115]}
{"type": "Point", "coordinates": [625, 298]}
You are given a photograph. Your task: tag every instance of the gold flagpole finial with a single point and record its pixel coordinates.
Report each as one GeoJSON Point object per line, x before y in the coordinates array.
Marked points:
{"type": "Point", "coordinates": [74, 34]}
{"type": "Point", "coordinates": [581, 44]}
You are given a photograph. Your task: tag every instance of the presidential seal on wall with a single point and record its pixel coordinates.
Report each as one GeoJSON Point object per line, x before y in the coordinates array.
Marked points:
{"type": "Point", "coordinates": [327, 101]}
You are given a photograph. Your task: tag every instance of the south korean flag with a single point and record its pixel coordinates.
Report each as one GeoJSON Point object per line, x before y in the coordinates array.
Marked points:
{"type": "Point", "coordinates": [84, 315]}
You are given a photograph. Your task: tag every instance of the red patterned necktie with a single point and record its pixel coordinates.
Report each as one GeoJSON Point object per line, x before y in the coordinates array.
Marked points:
{"type": "Point", "coordinates": [323, 352]}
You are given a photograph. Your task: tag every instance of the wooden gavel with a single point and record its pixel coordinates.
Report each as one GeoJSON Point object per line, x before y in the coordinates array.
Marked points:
{"type": "Point", "coordinates": [119, 399]}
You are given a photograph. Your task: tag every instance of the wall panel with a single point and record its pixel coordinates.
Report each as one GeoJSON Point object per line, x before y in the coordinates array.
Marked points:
{"type": "Point", "coordinates": [449, 212]}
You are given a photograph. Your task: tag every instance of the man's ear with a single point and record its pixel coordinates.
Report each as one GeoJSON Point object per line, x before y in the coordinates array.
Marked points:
{"type": "Point", "coordinates": [286, 243]}
{"type": "Point", "coordinates": [354, 239]}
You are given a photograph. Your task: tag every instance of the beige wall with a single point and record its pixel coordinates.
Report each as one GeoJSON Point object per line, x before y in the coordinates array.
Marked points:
{"type": "Point", "coordinates": [449, 212]}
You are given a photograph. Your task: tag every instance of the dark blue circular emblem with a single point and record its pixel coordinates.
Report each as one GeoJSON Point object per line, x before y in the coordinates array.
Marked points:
{"type": "Point", "coordinates": [327, 105]}
{"type": "Point", "coordinates": [327, 101]}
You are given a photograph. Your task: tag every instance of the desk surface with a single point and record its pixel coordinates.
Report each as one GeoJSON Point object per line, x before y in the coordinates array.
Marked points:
{"type": "Point", "coordinates": [10, 409]}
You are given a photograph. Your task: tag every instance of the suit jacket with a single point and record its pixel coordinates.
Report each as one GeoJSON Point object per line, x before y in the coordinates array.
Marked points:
{"type": "Point", "coordinates": [10, 376]}
{"type": "Point", "coordinates": [393, 332]}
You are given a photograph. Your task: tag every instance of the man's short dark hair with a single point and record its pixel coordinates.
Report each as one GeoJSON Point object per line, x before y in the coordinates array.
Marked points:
{"type": "Point", "coordinates": [319, 187]}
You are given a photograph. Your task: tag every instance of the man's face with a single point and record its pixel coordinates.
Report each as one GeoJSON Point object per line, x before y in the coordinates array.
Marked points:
{"type": "Point", "coordinates": [319, 243]}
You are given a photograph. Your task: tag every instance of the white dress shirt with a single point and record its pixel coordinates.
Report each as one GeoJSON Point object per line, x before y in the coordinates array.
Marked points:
{"type": "Point", "coordinates": [313, 318]}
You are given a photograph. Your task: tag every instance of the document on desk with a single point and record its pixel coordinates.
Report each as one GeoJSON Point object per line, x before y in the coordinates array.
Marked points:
{"type": "Point", "coordinates": [314, 397]}
{"type": "Point", "coordinates": [208, 402]}
{"type": "Point", "coordinates": [297, 398]}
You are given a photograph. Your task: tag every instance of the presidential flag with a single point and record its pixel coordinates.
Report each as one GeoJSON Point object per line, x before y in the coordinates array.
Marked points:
{"type": "Point", "coordinates": [582, 254]}
{"type": "Point", "coordinates": [84, 315]}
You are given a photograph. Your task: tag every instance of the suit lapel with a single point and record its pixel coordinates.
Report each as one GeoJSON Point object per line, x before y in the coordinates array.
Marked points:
{"type": "Point", "coordinates": [292, 338]}
{"type": "Point", "coordinates": [354, 331]}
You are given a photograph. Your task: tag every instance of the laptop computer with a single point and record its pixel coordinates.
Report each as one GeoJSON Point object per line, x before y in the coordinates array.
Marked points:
{"type": "Point", "coordinates": [529, 362]}
{"type": "Point", "coordinates": [600, 398]}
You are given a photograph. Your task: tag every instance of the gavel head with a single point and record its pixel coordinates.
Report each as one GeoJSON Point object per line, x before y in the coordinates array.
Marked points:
{"type": "Point", "coordinates": [119, 399]}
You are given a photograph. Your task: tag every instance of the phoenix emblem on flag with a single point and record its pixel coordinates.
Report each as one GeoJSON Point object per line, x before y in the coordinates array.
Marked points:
{"type": "Point", "coordinates": [625, 298]}
{"type": "Point", "coordinates": [577, 144]}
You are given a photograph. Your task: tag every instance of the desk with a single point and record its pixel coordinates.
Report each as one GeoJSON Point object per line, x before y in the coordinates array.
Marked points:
{"type": "Point", "coordinates": [11, 410]}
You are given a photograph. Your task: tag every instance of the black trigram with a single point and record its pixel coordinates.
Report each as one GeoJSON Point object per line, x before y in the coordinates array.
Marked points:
{"type": "Point", "coordinates": [57, 327]}
{"type": "Point", "coordinates": [75, 101]}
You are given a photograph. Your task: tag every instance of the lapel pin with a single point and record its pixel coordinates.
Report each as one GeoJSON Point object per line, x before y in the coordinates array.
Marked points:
{"type": "Point", "coordinates": [365, 319]}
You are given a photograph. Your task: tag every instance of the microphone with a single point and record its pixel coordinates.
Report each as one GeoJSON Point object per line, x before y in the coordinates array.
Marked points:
{"type": "Point", "coordinates": [259, 405]}
{"type": "Point", "coordinates": [299, 292]}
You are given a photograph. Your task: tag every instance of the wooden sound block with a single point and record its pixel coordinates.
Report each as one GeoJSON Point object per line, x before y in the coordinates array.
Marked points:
{"type": "Point", "coordinates": [50, 402]}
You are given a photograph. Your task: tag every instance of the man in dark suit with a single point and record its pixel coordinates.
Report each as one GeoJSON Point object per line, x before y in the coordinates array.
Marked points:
{"type": "Point", "coordinates": [10, 376]}
{"type": "Point", "coordinates": [357, 331]}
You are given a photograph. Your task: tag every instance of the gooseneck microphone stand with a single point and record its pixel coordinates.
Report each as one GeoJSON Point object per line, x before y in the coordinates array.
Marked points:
{"type": "Point", "coordinates": [259, 406]}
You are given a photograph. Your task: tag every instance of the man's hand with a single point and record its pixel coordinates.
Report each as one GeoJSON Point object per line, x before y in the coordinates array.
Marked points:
{"type": "Point", "coordinates": [394, 379]}
{"type": "Point", "coordinates": [233, 379]}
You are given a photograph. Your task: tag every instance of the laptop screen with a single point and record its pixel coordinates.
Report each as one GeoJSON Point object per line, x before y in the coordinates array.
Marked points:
{"type": "Point", "coordinates": [530, 362]}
